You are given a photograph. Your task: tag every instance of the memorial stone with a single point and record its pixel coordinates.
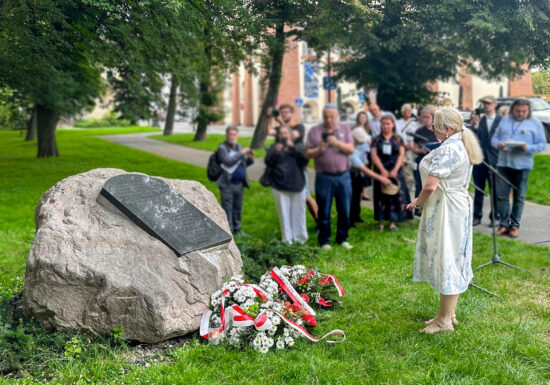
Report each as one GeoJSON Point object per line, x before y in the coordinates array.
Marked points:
{"type": "Point", "coordinates": [93, 268]}
{"type": "Point", "coordinates": [165, 214]}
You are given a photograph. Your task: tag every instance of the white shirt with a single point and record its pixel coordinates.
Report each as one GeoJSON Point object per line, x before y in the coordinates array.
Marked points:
{"type": "Point", "coordinates": [404, 127]}
{"type": "Point", "coordinates": [490, 120]}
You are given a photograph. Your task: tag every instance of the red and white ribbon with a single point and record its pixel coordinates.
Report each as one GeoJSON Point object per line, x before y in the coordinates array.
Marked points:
{"type": "Point", "coordinates": [289, 290]}
{"type": "Point", "coordinates": [304, 332]}
{"type": "Point", "coordinates": [332, 278]}
{"type": "Point", "coordinates": [233, 314]}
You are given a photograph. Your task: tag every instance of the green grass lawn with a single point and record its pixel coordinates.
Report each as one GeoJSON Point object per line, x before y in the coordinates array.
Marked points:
{"type": "Point", "coordinates": [498, 341]}
{"type": "Point", "coordinates": [539, 180]}
{"type": "Point", "coordinates": [210, 143]}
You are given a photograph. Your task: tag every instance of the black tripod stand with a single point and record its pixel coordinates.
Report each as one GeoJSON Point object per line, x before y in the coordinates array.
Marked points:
{"type": "Point", "coordinates": [493, 174]}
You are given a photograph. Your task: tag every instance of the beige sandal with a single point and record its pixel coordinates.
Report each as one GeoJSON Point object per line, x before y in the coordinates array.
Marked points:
{"type": "Point", "coordinates": [440, 328]}
{"type": "Point", "coordinates": [453, 320]}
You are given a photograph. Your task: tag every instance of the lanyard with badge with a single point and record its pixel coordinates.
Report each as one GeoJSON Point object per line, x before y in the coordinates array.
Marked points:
{"type": "Point", "coordinates": [515, 129]}
{"type": "Point", "coordinates": [386, 148]}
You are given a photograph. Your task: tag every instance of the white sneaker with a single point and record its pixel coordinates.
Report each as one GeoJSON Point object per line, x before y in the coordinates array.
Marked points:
{"type": "Point", "coordinates": [346, 245]}
{"type": "Point", "coordinates": [326, 246]}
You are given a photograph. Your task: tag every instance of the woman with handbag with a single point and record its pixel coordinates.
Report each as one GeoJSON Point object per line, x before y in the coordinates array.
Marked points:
{"type": "Point", "coordinates": [285, 164]}
{"type": "Point", "coordinates": [388, 152]}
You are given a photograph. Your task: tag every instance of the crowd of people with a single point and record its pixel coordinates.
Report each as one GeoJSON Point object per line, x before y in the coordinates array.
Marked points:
{"type": "Point", "coordinates": [381, 151]}
{"type": "Point", "coordinates": [438, 149]}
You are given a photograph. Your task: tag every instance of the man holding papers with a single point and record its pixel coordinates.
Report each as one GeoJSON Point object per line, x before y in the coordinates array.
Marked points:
{"type": "Point", "coordinates": [518, 137]}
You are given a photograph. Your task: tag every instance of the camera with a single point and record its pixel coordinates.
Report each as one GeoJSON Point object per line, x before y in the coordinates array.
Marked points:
{"type": "Point", "coordinates": [275, 112]}
{"type": "Point", "coordinates": [325, 135]}
{"type": "Point", "coordinates": [281, 140]}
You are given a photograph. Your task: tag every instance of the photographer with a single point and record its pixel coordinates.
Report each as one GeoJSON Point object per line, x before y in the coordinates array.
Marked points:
{"type": "Point", "coordinates": [283, 117]}
{"type": "Point", "coordinates": [286, 162]}
{"type": "Point", "coordinates": [330, 144]}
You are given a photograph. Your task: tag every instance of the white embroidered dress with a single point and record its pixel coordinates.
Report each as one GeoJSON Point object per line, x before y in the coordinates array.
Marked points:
{"type": "Point", "coordinates": [444, 243]}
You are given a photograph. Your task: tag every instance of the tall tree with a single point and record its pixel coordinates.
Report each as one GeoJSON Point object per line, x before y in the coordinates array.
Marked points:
{"type": "Point", "coordinates": [228, 36]}
{"type": "Point", "coordinates": [45, 55]}
{"type": "Point", "coordinates": [284, 20]}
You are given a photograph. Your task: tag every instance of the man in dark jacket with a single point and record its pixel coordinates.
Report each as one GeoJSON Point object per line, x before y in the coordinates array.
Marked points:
{"type": "Point", "coordinates": [234, 159]}
{"type": "Point", "coordinates": [485, 131]}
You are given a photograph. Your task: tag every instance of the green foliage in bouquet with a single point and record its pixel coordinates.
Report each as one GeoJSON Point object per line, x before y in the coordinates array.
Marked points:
{"type": "Point", "coordinates": [260, 255]}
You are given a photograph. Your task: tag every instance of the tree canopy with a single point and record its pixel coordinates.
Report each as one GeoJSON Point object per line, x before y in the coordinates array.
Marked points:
{"type": "Point", "coordinates": [414, 42]}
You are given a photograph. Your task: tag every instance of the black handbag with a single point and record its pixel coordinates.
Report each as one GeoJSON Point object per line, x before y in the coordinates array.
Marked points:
{"type": "Point", "coordinates": [265, 179]}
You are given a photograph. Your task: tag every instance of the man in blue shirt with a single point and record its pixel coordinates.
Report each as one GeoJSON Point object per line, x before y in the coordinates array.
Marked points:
{"type": "Point", "coordinates": [518, 137]}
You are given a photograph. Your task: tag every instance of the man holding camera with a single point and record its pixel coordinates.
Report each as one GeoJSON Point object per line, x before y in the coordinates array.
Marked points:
{"type": "Point", "coordinates": [234, 160]}
{"type": "Point", "coordinates": [485, 131]}
{"type": "Point", "coordinates": [283, 116]}
{"type": "Point", "coordinates": [330, 145]}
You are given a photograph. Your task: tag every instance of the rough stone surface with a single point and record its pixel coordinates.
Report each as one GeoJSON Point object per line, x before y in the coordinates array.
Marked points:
{"type": "Point", "coordinates": [92, 268]}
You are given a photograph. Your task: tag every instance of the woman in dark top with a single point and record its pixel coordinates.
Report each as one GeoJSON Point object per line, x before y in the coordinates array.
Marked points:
{"type": "Point", "coordinates": [423, 136]}
{"type": "Point", "coordinates": [285, 161]}
{"type": "Point", "coordinates": [388, 152]}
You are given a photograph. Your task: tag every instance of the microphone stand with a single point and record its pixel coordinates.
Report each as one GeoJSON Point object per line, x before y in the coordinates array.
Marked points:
{"type": "Point", "coordinates": [496, 256]}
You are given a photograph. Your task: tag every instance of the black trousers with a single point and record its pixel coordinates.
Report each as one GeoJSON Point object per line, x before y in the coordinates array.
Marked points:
{"type": "Point", "coordinates": [482, 176]}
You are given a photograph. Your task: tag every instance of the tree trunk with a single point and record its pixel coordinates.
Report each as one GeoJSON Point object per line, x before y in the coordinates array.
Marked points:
{"type": "Point", "coordinates": [31, 126]}
{"type": "Point", "coordinates": [169, 122]}
{"type": "Point", "coordinates": [204, 103]}
{"type": "Point", "coordinates": [277, 52]}
{"type": "Point", "coordinates": [46, 124]}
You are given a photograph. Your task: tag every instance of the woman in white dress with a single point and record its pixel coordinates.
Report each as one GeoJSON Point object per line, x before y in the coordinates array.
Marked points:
{"type": "Point", "coordinates": [444, 244]}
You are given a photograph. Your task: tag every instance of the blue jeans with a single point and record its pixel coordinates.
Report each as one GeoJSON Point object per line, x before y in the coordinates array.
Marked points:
{"type": "Point", "coordinates": [328, 187]}
{"type": "Point", "coordinates": [518, 178]}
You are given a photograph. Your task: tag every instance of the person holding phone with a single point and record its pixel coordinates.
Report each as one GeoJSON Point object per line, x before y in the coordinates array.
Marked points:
{"type": "Point", "coordinates": [286, 162]}
{"type": "Point", "coordinates": [330, 144]}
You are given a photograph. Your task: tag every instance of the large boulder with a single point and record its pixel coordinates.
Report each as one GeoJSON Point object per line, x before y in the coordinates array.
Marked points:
{"type": "Point", "coordinates": [92, 268]}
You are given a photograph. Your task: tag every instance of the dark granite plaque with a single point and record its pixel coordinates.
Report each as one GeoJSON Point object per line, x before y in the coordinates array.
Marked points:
{"type": "Point", "coordinates": [161, 211]}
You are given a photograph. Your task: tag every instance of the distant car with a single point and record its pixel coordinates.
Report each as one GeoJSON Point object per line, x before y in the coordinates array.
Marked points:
{"type": "Point", "coordinates": [540, 109]}
{"type": "Point", "coordinates": [466, 115]}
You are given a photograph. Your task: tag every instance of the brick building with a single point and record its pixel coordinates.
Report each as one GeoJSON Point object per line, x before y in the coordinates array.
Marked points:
{"type": "Point", "coordinates": [302, 84]}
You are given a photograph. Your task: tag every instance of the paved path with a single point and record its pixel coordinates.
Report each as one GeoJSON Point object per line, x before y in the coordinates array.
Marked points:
{"type": "Point", "coordinates": [535, 228]}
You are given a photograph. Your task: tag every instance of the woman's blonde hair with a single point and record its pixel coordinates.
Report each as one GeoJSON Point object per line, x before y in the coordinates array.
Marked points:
{"type": "Point", "coordinates": [448, 117]}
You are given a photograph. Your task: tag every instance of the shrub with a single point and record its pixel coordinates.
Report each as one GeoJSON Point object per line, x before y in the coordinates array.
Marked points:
{"type": "Point", "coordinates": [110, 120]}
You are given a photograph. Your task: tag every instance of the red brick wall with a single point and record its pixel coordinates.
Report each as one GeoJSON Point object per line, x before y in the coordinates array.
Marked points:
{"type": "Point", "coordinates": [289, 89]}
{"type": "Point", "coordinates": [236, 105]}
{"type": "Point", "coordinates": [248, 104]}
{"type": "Point", "coordinates": [465, 81]}
{"type": "Point", "coordinates": [521, 86]}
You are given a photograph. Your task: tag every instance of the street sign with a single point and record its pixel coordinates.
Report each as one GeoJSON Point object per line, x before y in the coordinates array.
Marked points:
{"type": "Point", "coordinates": [299, 102]}
{"type": "Point", "coordinates": [328, 83]}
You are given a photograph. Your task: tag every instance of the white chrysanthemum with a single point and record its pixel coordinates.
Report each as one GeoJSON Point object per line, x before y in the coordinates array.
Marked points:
{"type": "Point", "coordinates": [269, 342]}
{"type": "Point", "coordinates": [289, 341]}
{"type": "Point", "coordinates": [280, 344]}
{"type": "Point", "coordinates": [263, 349]}
{"type": "Point", "coordinates": [272, 330]}
{"type": "Point", "coordinates": [286, 332]}
{"type": "Point", "coordinates": [256, 342]}
{"type": "Point", "coordinates": [275, 320]}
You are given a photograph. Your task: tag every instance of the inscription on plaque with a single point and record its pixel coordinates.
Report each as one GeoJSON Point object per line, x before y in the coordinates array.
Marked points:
{"type": "Point", "coordinates": [162, 212]}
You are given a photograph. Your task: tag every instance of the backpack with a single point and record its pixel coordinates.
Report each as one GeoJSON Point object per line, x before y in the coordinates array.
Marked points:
{"type": "Point", "coordinates": [213, 168]}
